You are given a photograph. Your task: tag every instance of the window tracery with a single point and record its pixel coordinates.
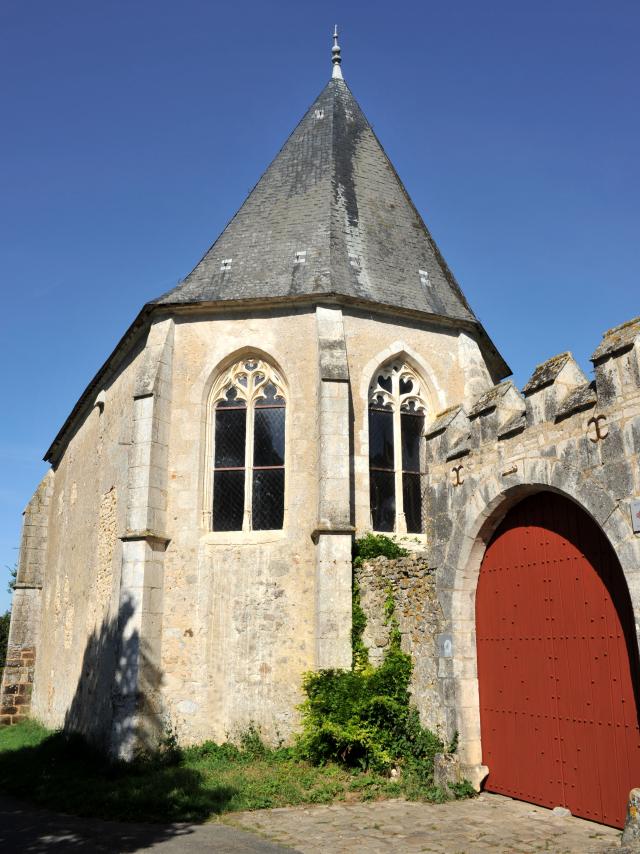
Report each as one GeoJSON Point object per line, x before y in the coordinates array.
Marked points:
{"type": "Point", "coordinates": [397, 410]}
{"type": "Point", "coordinates": [248, 403]}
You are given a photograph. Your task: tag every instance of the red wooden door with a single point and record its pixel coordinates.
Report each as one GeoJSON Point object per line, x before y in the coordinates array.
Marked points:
{"type": "Point", "coordinates": [557, 663]}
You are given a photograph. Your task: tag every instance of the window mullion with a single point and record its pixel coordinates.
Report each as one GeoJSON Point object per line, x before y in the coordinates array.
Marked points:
{"type": "Point", "coordinates": [401, 524]}
{"type": "Point", "coordinates": [248, 468]}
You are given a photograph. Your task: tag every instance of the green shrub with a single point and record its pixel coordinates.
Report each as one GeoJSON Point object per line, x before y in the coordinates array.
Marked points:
{"type": "Point", "coordinates": [363, 717]}
{"type": "Point", "coordinates": [376, 545]}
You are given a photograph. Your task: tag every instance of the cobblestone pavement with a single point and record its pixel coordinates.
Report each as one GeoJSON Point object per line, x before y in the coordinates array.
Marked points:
{"type": "Point", "coordinates": [488, 823]}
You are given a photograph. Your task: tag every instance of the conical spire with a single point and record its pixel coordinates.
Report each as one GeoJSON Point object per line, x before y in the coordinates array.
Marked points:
{"type": "Point", "coordinates": [330, 217]}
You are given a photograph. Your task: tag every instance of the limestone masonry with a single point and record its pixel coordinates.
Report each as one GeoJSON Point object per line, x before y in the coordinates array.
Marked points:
{"type": "Point", "coordinates": [187, 558]}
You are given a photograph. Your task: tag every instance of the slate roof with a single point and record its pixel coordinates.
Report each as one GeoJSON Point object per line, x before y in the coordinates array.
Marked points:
{"type": "Point", "coordinates": [331, 193]}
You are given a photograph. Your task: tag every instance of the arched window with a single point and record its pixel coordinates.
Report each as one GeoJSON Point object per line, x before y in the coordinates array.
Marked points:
{"type": "Point", "coordinates": [396, 426]}
{"type": "Point", "coordinates": [248, 448]}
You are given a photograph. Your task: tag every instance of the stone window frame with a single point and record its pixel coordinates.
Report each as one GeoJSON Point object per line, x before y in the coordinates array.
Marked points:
{"type": "Point", "coordinates": [398, 368]}
{"type": "Point", "coordinates": [225, 378]}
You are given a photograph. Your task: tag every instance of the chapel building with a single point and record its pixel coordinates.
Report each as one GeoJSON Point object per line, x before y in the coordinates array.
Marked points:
{"type": "Point", "coordinates": [319, 375]}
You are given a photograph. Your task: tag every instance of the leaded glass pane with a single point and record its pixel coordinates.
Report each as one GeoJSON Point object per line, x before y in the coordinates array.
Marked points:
{"type": "Point", "coordinates": [411, 427]}
{"type": "Point", "coordinates": [412, 498]}
{"type": "Point", "coordinates": [228, 500]}
{"type": "Point", "coordinates": [383, 502]}
{"type": "Point", "coordinates": [231, 425]}
{"type": "Point", "coordinates": [268, 499]}
{"type": "Point", "coordinates": [269, 437]}
{"type": "Point", "coordinates": [380, 440]}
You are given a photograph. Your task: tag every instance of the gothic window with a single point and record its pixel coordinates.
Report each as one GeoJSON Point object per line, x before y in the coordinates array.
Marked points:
{"type": "Point", "coordinates": [248, 448]}
{"type": "Point", "coordinates": [396, 426]}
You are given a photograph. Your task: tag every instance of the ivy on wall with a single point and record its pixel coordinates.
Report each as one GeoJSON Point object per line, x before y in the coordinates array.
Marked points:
{"type": "Point", "coordinates": [364, 716]}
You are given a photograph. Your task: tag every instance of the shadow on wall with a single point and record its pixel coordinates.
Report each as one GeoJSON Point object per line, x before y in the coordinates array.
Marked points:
{"type": "Point", "coordinates": [70, 771]}
{"type": "Point", "coordinates": [118, 681]}
{"type": "Point", "coordinates": [91, 710]}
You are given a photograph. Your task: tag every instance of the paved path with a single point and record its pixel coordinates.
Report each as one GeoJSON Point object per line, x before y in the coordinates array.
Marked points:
{"type": "Point", "coordinates": [27, 830]}
{"type": "Point", "coordinates": [486, 824]}
{"type": "Point", "coordinates": [489, 824]}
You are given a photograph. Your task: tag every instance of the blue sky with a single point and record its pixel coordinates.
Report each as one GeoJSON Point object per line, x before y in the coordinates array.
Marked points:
{"type": "Point", "coordinates": [133, 131]}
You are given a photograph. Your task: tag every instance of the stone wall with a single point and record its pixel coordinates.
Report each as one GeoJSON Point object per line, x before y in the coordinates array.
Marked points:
{"type": "Point", "coordinates": [245, 614]}
{"type": "Point", "coordinates": [145, 608]}
{"type": "Point", "coordinates": [81, 574]}
{"type": "Point", "coordinates": [412, 583]}
{"type": "Point", "coordinates": [239, 607]}
{"type": "Point", "coordinates": [24, 632]}
{"type": "Point", "coordinates": [149, 615]}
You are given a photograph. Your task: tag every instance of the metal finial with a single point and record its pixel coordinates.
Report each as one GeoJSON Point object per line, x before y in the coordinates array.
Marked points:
{"type": "Point", "coordinates": [336, 59]}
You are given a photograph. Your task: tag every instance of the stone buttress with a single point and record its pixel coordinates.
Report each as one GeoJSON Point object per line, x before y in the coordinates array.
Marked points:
{"type": "Point", "coordinates": [137, 717]}
{"type": "Point", "coordinates": [335, 526]}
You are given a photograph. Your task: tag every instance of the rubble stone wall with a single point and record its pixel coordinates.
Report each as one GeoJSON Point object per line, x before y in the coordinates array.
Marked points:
{"type": "Point", "coordinates": [412, 583]}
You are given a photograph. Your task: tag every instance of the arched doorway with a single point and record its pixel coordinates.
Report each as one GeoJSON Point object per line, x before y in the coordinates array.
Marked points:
{"type": "Point", "coordinates": [557, 663]}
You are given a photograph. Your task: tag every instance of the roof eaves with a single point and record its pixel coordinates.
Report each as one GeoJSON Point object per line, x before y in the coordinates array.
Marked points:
{"type": "Point", "coordinates": [142, 320]}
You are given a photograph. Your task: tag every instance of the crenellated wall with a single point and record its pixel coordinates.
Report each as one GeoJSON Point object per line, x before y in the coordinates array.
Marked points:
{"type": "Point", "coordinates": [563, 433]}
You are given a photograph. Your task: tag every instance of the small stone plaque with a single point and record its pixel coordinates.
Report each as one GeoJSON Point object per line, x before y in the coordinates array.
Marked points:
{"type": "Point", "coordinates": [635, 515]}
{"type": "Point", "coordinates": [445, 645]}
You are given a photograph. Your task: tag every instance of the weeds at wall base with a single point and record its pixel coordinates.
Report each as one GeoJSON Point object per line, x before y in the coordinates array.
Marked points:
{"type": "Point", "coordinates": [189, 784]}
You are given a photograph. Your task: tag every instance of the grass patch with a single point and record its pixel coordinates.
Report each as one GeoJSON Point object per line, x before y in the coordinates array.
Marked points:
{"type": "Point", "coordinates": [65, 774]}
